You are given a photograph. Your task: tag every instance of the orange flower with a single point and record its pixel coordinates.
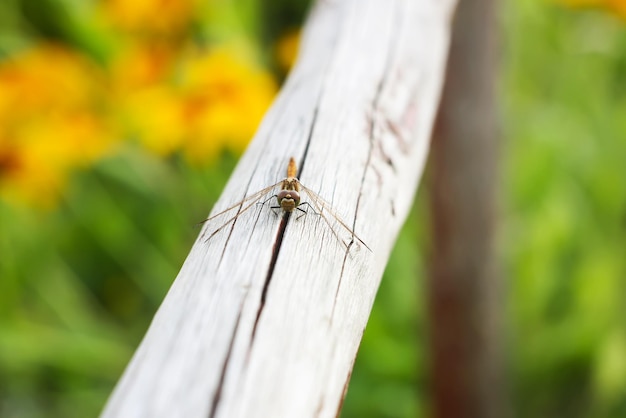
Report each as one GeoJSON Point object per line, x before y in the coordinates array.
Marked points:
{"type": "Point", "coordinates": [286, 49]}
{"type": "Point", "coordinates": [149, 16]}
{"type": "Point", "coordinates": [225, 97]}
{"type": "Point", "coordinates": [50, 122]}
{"type": "Point", "coordinates": [141, 65]}
{"type": "Point", "coordinates": [215, 100]}
{"type": "Point", "coordinates": [58, 112]}
{"type": "Point", "coordinates": [154, 116]}
{"type": "Point", "coordinates": [617, 7]}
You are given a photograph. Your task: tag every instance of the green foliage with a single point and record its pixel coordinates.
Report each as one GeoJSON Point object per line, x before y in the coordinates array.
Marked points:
{"type": "Point", "coordinates": [79, 284]}
{"type": "Point", "coordinates": [565, 210]}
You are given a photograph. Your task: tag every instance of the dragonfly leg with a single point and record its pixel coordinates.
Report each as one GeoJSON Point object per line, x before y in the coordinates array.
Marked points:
{"type": "Point", "coordinates": [267, 200]}
{"type": "Point", "coordinates": [305, 212]}
{"type": "Point", "coordinates": [276, 210]}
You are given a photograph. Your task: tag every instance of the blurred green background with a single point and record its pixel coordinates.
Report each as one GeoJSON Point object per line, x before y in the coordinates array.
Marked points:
{"type": "Point", "coordinates": [120, 122]}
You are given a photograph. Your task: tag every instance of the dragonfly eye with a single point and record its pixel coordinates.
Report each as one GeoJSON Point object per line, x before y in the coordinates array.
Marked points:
{"type": "Point", "coordinates": [289, 195]}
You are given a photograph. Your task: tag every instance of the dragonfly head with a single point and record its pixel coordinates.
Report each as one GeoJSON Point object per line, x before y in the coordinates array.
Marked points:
{"type": "Point", "coordinates": [288, 200]}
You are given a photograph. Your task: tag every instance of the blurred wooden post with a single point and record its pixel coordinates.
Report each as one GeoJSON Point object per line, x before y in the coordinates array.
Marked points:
{"type": "Point", "coordinates": [265, 319]}
{"type": "Point", "coordinates": [464, 288]}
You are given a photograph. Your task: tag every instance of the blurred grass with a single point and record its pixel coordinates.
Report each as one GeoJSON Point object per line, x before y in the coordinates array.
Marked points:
{"type": "Point", "coordinates": [80, 284]}
{"type": "Point", "coordinates": [564, 235]}
{"type": "Point", "coordinates": [80, 281]}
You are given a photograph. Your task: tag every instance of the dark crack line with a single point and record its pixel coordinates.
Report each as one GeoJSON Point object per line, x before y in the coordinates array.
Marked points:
{"type": "Point", "coordinates": [382, 84]}
{"type": "Point", "coordinates": [268, 277]}
{"type": "Point", "coordinates": [275, 252]}
{"type": "Point", "coordinates": [254, 171]}
{"type": "Point", "coordinates": [309, 138]}
{"type": "Point", "coordinates": [220, 384]}
{"type": "Point", "coordinates": [284, 222]}
{"type": "Point", "coordinates": [282, 228]}
{"type": "Point", "coordinates": [320, 407]}
{"type": "Point", "coordinates": [256, 221]}
{"type": "Point", "coordinates": [232, 227]}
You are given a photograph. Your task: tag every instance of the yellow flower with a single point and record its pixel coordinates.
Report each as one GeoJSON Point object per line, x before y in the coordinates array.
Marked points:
{"type": "Point", "coordinates": [149, 16]}
{"type": "Point", "coordinates": [59, 113]}
{"type": "Point", "coordinates": [155, 117]}
{"type": "Point", "coordinates": [286, 50]}
{"type": "Point", "coordinates": [141, 65]}
{"type": "Point", "coordinates": [46, 151]}
{"type": "Point", "coordinates": [617, 7]}
{"type": "Point", "coordinates": [214, 100]}
{"type": "Point", "coordinates": [50, 122]}
{"type": "Point", "coordinates": [43, 78]}
{"type": "Point", "coordinates": [225, 97]}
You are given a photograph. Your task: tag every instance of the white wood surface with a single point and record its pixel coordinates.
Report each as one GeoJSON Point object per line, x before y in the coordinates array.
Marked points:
{"type": "Point", "coordinates": [253, 327]}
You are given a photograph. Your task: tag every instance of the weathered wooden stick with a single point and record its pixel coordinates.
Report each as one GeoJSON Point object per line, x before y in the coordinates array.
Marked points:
{"type": "Point", "coordinates": [265, 318]}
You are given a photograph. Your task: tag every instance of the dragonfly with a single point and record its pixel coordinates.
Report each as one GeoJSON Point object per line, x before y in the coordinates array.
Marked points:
{"type": "Point", "coordinates": [288, 200]}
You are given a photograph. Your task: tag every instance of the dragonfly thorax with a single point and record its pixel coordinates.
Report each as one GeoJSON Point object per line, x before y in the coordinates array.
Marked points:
{"type": "Point", "coordinates": [290, 183]}
{"type": "Point", "coordinates": [288, 200]}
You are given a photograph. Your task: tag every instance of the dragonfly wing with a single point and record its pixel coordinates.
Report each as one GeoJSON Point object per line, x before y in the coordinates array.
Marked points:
{"type": "Point", "coordinates": [320, 210]}
{"type": "Point", "coordinates": [248, 202]}
{"type": "Point", "coordinates": [322, 205]}
{"type": "Point", "coordinates": [256, 195]}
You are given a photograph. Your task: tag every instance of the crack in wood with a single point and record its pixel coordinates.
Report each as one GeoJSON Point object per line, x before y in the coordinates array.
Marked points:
{"type": "Point", "coordinates": [232, 227]}
{"type": "Point", "coordinates": [380, 89]}
{"type": "Point", "coordinates": [386, 158]}
{"type": "Point", "coordinates": [281, 232]}
{"type": "Point", "coordinates": [268, 278]}
{"type": "Point", "coordinates": [254, 171]}
{"type": "Point", "coordinates": [220, 384]}
{"type": "Point", "coordinates": [309, 138]}
{"type": "Point", "coordinates": [238, 364]}
{"type": "Point", "coordinates": [387, 123]}
{"type": "Point", "coordinates": [320, 407]}
{"type": "Point", "coordinates": [371, 137]}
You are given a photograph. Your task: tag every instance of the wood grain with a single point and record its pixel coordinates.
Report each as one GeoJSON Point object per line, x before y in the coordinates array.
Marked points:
{"type": "Point", "coordinates": [265, 319]}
